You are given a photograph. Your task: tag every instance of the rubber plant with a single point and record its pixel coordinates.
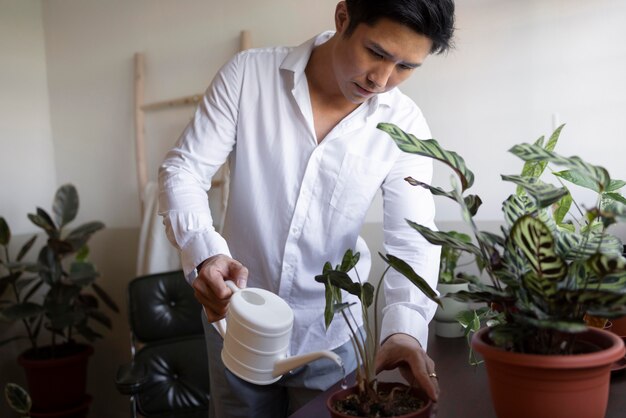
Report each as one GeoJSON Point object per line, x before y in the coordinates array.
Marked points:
{"type": "Point", "coordinates": [57, 291]}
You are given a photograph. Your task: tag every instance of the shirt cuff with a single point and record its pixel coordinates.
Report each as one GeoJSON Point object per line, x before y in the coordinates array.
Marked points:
{"type": "Point", "coordinates": [198, 249]}
{"type": "Point", "coordinates": [402, 319]}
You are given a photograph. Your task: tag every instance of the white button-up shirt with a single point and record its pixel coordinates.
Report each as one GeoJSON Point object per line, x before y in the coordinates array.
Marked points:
{"type": "Point", "coordinates": [295, 204]}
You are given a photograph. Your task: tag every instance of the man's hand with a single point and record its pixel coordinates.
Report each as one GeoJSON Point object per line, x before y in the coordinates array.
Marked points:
{"type": "Point", "coordinates": [404, 352]}
{"type": "Point", "coordinates": [209, 286]}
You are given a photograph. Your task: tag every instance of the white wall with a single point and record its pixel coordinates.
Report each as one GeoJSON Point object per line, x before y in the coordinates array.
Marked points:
{"type": "Point", "coordinates": [27, 172]}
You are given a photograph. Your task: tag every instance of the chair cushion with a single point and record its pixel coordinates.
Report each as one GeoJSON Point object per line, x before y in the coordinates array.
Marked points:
{"type": "Point", "coordinates": [178, 377]}
{"type": "Point", "coordinates": [163, 306]}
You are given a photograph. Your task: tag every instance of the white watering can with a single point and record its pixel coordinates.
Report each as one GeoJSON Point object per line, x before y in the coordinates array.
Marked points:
{"type": "Point", "coordinates": [256, 340]}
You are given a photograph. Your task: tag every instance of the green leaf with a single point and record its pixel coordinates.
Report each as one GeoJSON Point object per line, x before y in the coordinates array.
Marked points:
{"type": "Point", "coordinates": [65, 205]}
{"type": "Point", "coordinates": [579, 169]}
{"type": "Point", "coordinates": [544, 194]}
{"type": "Point", "coordinates": [407, 271]}
{"type": "Point", "coordinates": [17, 398]}
{"type": "Point", "coordinates": [367, 294]}
{"type": "Point", "coordinates": [472, 201]}
{"type": "Point", "coordinates": [26, 247]}
{"type": "Point", "coordinates": [104, 297]}
{"type": "Point", "coordinates": [83, 274]}
{"type": "Point", "coordinates": [535, 241]}
{"type": "Point", "coordinates": [445, 238]}
{"type": "Point", "coordinates": [79, 236]}
{"type": "Point", "coordinates": [536, 168]}
{"type": "Point", "coordinates": [44, 221]}
{"type": "Point", "coordinates": [21, 311]}
{"type": "Point", "coordinates": [349, 261]}
{"type": "Point", "coordinates": [430, 148]}
{"type": "Point", "coordinates": [5, 232]}
{"type": "Point", "coordinates": [562, 208]}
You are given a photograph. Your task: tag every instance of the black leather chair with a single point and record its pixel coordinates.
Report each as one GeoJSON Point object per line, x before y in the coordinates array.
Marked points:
{"type": "Point", "coordinates": [168, 375]}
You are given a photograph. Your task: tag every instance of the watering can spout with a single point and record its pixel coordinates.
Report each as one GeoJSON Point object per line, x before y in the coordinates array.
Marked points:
{"type": "Point", "coordinates": [289, 363]}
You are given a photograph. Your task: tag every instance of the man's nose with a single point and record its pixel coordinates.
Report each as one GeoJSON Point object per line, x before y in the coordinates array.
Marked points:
{"type": "Point", "coordinates": [379, 75]}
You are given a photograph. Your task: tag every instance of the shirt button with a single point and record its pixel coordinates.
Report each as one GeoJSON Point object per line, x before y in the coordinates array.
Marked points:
{"type": "Point", "coordinates": [295, 230]}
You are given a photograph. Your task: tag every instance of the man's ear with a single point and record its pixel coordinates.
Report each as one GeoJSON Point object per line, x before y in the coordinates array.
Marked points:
{"type": "Point", "coordinates": [341, 17]}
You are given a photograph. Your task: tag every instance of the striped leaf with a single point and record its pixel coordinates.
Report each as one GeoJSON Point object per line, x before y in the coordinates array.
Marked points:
{"type": "Point", "coordinates": [535, 241]}
{"type": "Point", "coordinates": [430, 148]}
{"type": "Point", "coordinates": [573, 246]}
{"type": "Point", "coordinates": [536, 168]}
{"type": "Point", "coordinates": [603, 265]}
{"type": "Point", "coordinates": [514, 207]}
{"type": "Point", "coordinates": [544, 194]}
{"type": "Point", "coordinates": [598, 175]}
{"type": "Point", "coordinates": [445, 238]}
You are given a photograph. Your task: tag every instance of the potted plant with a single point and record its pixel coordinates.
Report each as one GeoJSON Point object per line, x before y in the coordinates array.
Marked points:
{"type": "Point", "coordinates": [446, 323]}
{"type": "Point", "coordinates": [544, 274]}
{"type": "Point", "coordinates": [368, 397]}
{"type": "Point", "coordinates": [53, 293]}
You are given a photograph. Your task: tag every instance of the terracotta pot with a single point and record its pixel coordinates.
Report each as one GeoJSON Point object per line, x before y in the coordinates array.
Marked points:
{"type": "Point", "coordinates": [543, 386]}
{"type": "Point", "coordinates": [619, 326]}
{"type": "Point", "coordinates": [424, 412]}
{"type": "Point", "coordinates": [57, 384]}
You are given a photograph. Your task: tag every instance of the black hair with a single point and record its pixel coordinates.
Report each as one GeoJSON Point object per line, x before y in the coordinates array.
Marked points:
{"type": "Point", "coordinates": [431, 18]}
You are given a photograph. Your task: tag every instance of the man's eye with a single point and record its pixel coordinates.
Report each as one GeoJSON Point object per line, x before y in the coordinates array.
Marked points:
{"type": "Point", "coordinates": [405, 67]}
{"type": "Point", "coordinates": [375, 54]}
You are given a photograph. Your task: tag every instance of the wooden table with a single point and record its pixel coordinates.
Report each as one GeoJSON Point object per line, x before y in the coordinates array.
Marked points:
{"type": "Point", "coordinates": [464, 389]}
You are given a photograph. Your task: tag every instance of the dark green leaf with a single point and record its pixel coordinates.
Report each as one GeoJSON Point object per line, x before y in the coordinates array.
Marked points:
{"type": "Point", "coordinates": [104, 297]}
{"type": "Point", "coordinates": [100, 317]}
{"type": "Point", "coordinates": [407, 271]}
{"type": "Point", "coordinates": [367, 294]}
{"type": "Point", "coordinates": [26, 247]}
{"type": "Point", "coordinates": [5, 232]}
{"type": "Point", "coordinates": [44, 221]}
{"type": "Point", "coordinates": [79, 236]}
{"type": "Point", "coordinates": [88, 333]}
{"type": "Point", "coordinates": [21, 311]}
{"type": "Point", "coordinates": [430, 148]}
{"type": "Point", "coordinates": [65, 206]}
{"type": "Point", "coordinates": [349, 261]}
{"type": "Point", "coordinates": [444, 238]}
{"type": "Point", "coordinates": [83, 274]}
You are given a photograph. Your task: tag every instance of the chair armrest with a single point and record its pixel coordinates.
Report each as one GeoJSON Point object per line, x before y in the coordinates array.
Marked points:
{"type": "Point", "coordinates": [130, 378]}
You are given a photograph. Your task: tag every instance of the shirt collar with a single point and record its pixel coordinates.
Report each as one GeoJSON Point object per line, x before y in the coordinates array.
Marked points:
{"type": "Point", "coordinates": [296, 60]}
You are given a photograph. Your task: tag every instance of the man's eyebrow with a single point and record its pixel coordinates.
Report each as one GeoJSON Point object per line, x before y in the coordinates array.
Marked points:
{"type": "Point", "coordinates": [382, 51]}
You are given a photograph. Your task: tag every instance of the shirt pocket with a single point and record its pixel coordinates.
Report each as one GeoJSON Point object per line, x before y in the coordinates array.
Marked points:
{"type": "Point", "coordinates": [359, 179]}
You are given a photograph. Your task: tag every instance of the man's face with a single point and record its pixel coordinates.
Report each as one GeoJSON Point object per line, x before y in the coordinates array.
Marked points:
{"type": "Point", "coordinates": [375, 59]}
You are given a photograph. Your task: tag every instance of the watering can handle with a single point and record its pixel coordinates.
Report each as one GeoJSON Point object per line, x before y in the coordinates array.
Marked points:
{"type": "Point", "coordinates": [220, 325]}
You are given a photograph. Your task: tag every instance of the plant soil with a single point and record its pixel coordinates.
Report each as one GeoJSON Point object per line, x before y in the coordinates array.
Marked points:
{"type": "Point", "coordinates": [401, 402]}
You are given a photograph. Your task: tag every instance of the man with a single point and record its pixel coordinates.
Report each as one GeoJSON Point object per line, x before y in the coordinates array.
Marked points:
{"type": "Point", "coordinates": [298, 128]}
